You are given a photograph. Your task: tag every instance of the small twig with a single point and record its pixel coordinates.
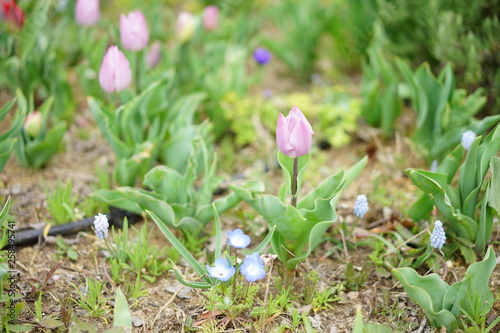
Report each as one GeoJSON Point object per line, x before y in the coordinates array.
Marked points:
{"type": "Point", "coordinates": [166, 304]}
{"type": "Point", "coordinates": [422, 324]}
{"type": "Point", "coordinates": [344, 244]}
{"type": "Point", "coordinates": [405, 242]}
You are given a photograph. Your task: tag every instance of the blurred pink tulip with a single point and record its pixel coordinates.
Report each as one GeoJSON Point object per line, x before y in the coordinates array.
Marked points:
{"type": "Point", "coordinates": [153, 56]}
{"type": "Point", "coordinates": [115, 74]}
{"type": "Point", "coordinates": [33, 124]}
{"type": "Point", "coordinates": [210, 18]}
{"type": "Point", "coordinates": [87, 12]}
{"type": "Point", "coordinates": [185, 27]}
{"type": "Point", "coordinates": [134, 32]}
{"type": "Point", "coordinates": [294, 134]}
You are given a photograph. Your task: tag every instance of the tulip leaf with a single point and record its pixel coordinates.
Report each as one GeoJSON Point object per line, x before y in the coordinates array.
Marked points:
{"type": "Point", "coordinates": [462, 297]}
{"type": "Point", "coordinates": [494, 198]}
{"type": "Point", "coordinates": [428, 292]}
{"type": "Point", "coordinates": [121, 317]}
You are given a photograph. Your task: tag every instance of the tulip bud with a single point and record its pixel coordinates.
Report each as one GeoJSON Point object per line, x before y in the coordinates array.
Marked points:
{"type": "Point", "coordinates": [153, 56]}
{"type": "Point", "coordinates": [185, 26]}
{"type": "Point", "coordinates": [33, 124]}
{"type": "Point", "coordinates": [134, 32]}
{"type": "Point", "coordinates": [210, 18]}
{"type": "Point", "coordinates": [87, 12]}
{"type": "Point", "coordinates": [294, 134]}
{"type": "Point", "coordinates": [12, 12]}
{"type": "Point", "coordinates": [115, 74]}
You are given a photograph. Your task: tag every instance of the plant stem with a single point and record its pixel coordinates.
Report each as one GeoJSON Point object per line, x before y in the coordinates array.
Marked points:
{"type": "Point", "coordinates": [138, 72]}
{"type": "Point", "coordinates": [294, 181]}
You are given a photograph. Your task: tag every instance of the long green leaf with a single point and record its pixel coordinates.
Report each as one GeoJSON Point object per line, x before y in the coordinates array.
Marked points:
{"type": "Point", "coordinates": [179, 247]}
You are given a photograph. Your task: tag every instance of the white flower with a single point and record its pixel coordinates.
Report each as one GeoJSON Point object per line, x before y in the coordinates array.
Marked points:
{"type": "Point", "coordinates": [101, 226]}
{"type": "Point", "coordinates": [361, 205]}
{"type": "Point", "coordinates": [438, 237]}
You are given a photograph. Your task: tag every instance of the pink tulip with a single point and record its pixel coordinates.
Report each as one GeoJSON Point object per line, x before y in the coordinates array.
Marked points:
{"type": "Point", "coordinates": [153, 56]}
{"type": "Point", "coordinates": [87, 12]}
{"type": "Point", "coordinates": [210, 18]}
{"type": "Point", "coordinates": [294, 134]}
{"type": "Point", "coordinates": [134, 32]}
{"type": "Point", "coordinates": [115, 74]}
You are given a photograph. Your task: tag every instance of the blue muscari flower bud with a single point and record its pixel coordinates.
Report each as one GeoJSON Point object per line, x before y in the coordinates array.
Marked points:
{"type": "Point", "coordinates": [101, 226]}
{"type": "Point", "coordinates": [438, 237]}
{"type": "Point", "coordinates": [467, 138]}
{"type": "Point", "coordinates": [434, 166]}
{"type": "Point", "coordinates": [361, 206]}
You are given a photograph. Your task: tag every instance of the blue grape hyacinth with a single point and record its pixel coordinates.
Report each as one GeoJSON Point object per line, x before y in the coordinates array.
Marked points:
{"type": "Point", "coordinates": [361, 206]}
{"type": "Point", "coordinates": [222, 270]}
{"type": "Point", "coordinates": [238, 239]}
{"type": "Point", "coordinates": [101, 226]}
{"type": "Point", "coordinates": [438, 237]}
{"type": "Point", "coordinates": [253, 268]}
{"type": "Point", "coordinates": [467, 138]}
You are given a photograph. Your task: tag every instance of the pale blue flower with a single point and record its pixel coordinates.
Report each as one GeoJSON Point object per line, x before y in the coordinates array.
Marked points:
{"type": "Point", "coordinates": [434, 166]}
{"type": "Point", "coordinates": [238, 239]}
{"type": "Point", "coordinates": [253, 268]}
{"type": "Point", "coordinates": [438, 237]}
{"type": "Point", "coordinates": [361, 205]}
{"type": "Point", "coordinates": [467, 138]}
{"type": "Point", "coordinates": [221, 270]}
{"type": "Point", "coordinates": [101, 226]}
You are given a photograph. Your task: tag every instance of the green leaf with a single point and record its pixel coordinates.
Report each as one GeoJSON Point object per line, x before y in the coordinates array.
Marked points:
{"type": "Point", "coordinates": [179, 247]}
{"type": "Point", "coordinates": [494, 197]}
{"type": "Point", "coordinates": [32, 27]}
{"type": "Point", "coordinates": [218, 235]}
{"type": "Point", "coordinates": [473, 288]}
{"type": "Point", "coordinates": [428, 292]}
{"type": "Point", "coordinates": [287, 167]}
{"type": "Point", "coordinates": [121, 315]}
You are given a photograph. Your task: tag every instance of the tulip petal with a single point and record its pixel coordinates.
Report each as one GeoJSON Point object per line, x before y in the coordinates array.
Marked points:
{"type": "Point", "coordinates": [300, 139]}
{"type": "Point", "coordinates": [295, 111]}
{"type": "Point", "coordinates": [282, 134]}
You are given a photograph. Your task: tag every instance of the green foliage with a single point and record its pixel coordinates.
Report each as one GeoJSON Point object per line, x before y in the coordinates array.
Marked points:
{"type": "Point", "coordinates": [65, 249]}
{"type": "Point", "coordinates": [380, 105]}
{"type": "Point", "coordinates": [459, 205]}
{"type": "Point", "coordinates": [444, 304]}
{"type": "Point", "coordinates": [362, 327]}
{"type": "Point", "coordinates": [207, 282]}
{"type": "Point", "coordinates": [446, 31]}
{"type": "Point", "coordinates": [443, 112]}
{"type": "Point", "coordinates": [8, 139]}
{"type": "Point", "coordinates": [30, 62]}
{"type": "Point", "coordinates": [354, 280]}
{"type": "Point", "coordinates": [293, 19]}
{"type": "Point", "coordinates": [61, 203]}
{"type": "Point", "coordinates": [34, 152]}
{"type": "Point", "coordinates": [91, 299]}
{"type": "Point", "coordinates": [295, 239]}
{"type": "Point", "coordinates": [137, 255]}
{"type": "Point", "coordinates": [181, 199]}
{"type": "Point", "coordinates": [232, 303]}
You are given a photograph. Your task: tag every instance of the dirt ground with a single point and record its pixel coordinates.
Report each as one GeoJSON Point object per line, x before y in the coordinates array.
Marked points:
{"type": "Point", "coordinates": [381, 298]}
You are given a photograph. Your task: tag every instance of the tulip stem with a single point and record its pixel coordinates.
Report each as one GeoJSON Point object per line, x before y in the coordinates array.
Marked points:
{"type": "Point", "coordinates": [294, 181]}
{"type": "Point", "coordinates": [138, 72]}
